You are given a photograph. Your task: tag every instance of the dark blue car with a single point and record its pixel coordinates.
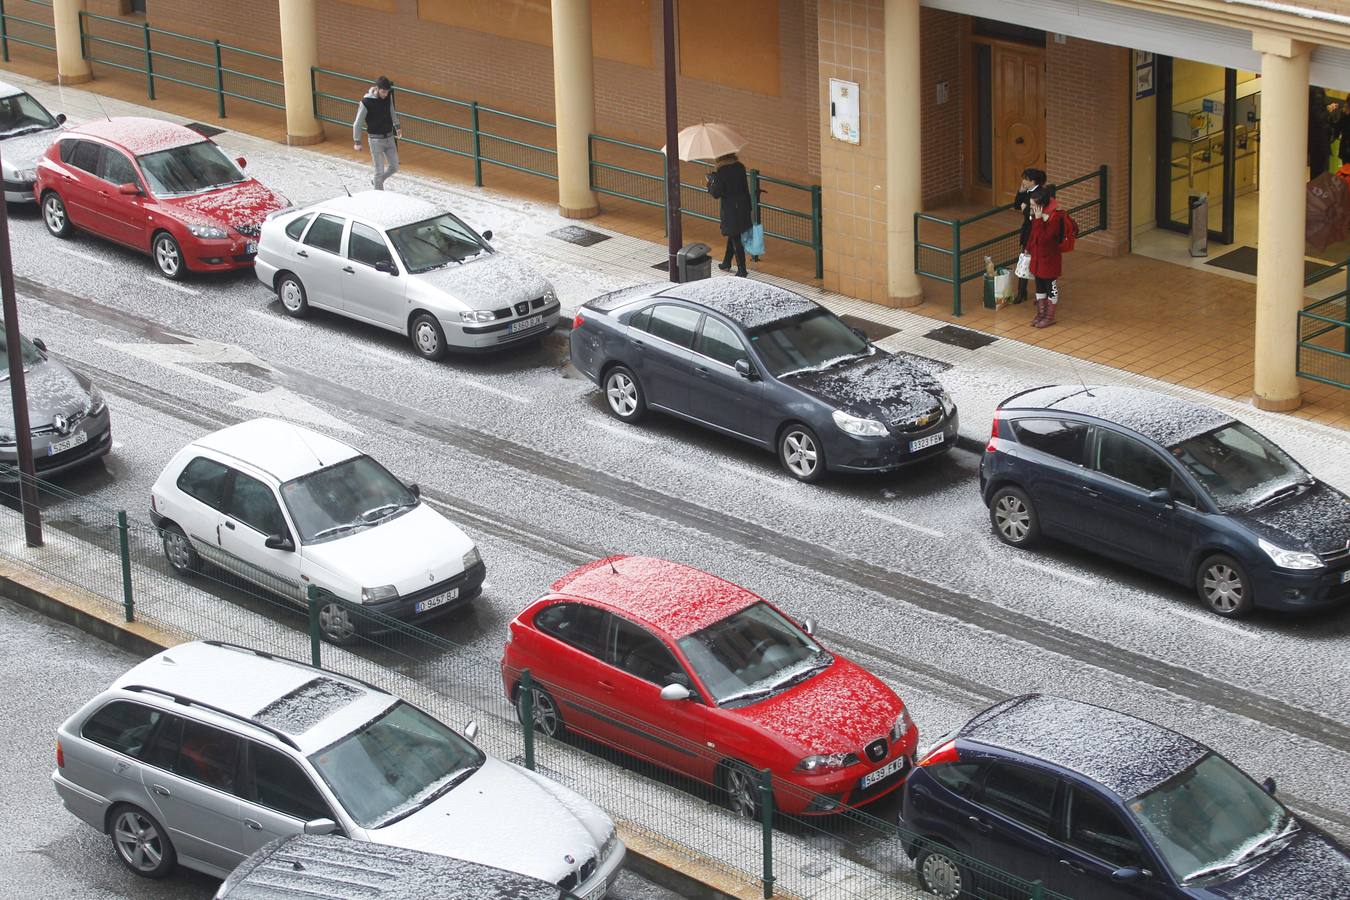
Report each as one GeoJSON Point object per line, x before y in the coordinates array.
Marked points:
{"type": "Point", "coordinates": [767, 366]}
{"type": "Point", "coordinates": [1172, 487]}
{"type": "Point", "coordinates": [1098, 804]}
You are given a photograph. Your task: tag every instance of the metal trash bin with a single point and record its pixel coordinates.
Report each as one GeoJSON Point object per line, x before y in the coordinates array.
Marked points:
{"type": "Point", "coordinates": [693, 262]}
{"type": "Point", "coordinates": [1198, 210]}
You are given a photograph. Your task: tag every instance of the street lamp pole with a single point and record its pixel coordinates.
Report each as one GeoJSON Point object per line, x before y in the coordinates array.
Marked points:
{"type": "Point", "coordinates": [18, 390]}
{"type": "Point", "coordinates": [674, 231]}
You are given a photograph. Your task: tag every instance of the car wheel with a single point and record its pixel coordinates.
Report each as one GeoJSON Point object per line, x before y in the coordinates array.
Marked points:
{"type": "Point", "coordinates": [141, 843]}
{"type": "Point", "coordinates": [1224, 586]}
{"type": "Point", "coordinates": [336, 623]}
{"type": "Point", "coordinates": [54, 215]}
{"type": "Point", "coordinates": [939, 872]}
{"type": "Point", "coordinates": [623, 395]}
{"type": "Point", "coordinates": [427, 337]}
{"type": "Point", "coordinates": [547, 716]}
{"type": "Point", "coordinates": [800, 452]}
{"type": "Point", "coordinates": [1013, 517]}
{"type": "Point", "coordinates": [180, 553]}
{"type": "Point", "coordinates": [168, 257]}
{"type": "Point", "coordinates": [291, 293]}
{"type": "Point", "coordinates": [740, 790]}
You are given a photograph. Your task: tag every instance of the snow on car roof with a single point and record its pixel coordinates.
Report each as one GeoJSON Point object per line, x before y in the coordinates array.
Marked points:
{"type": "Point", "coordinates": [9, 90]}
{"type": "Point", "coordinates": [1166, 419]}
{"type": "Point", "coordinates": [281, 449]}
{"type": "Point", "coordinates": [674, 598]}
{"type": "Point", "coordinates": [750, 304]}
{"type": "Point", "coordinates": [1124, 754]}
{"type": "Point", "coordinates": [383, 209]}
{"type": "Point", "coordinates": [301, 709]}
{"type": "Point", "coordinates": [139, 135]}
{"type": "Point", "coordinates": [624, 296]}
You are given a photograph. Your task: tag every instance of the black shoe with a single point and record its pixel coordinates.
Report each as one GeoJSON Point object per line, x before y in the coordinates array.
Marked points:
{"type": "Point", "coordinates": [725, 267]}
{"type": "Point", "coordinates": [741, 273]}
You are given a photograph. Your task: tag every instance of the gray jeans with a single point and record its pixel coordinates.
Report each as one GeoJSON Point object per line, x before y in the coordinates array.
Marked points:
{"type": "Point", "coordinates": [384, 154]}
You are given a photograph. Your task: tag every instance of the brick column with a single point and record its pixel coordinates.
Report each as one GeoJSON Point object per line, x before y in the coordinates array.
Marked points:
{"type": "Point", "coordinates": [904, 177]}
{"type": "Point", "coordinates": [71, 66]}
{"type": "Point", "coordinates": [299, 55]}
{"type": "Point", "coordinates": [574, 106]}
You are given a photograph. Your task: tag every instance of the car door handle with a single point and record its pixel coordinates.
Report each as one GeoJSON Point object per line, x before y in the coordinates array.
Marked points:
{"type": "Point", "coordinates": [256, 826]}
{"type": "Point", "coordinates": [700, 370]}
{"type": "Point", "coordinates": [161, 790]}
{"type": "Point", "coordinates": [605, 685]}
{"type": "Point", "coordinates": [229, 524]}
{"type": "Point", "coordinates": [1090, 492]}
{"type": "Point", "coordinates": [1073, 865]}
{"type": "Point", "coordinates": [639, 344]}
{"type": "Point", "coordinates": [349, 270]}
{"type": "Point", "coordinates": [981, 826]}
{"type": "Point", "coordinates": [302, 253]}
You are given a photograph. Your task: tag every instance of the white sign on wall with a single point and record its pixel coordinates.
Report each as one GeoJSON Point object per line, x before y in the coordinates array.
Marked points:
{"type": "Point", "coordinates": [844, 111]}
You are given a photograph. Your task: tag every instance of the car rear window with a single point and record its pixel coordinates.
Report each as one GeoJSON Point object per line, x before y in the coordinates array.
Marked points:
{"type": "Point", "coordinates": [1058, 437]}
{"type": "Point", "coordinates": [296, 226]}
{"type": "Point", "coordinates": [326, 234]}
{"type": "Point", "coordinates": [204, 479]}
{"type": "Point", "coordinates": [121, 726]}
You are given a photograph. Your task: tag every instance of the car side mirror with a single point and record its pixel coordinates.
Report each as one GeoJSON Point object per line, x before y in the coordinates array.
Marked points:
{"type": "Point", "coordinates": [1128, 873]}
{"type": "Point", "coordinates": [1161, 495]}
{"type": "Point", "coordinates": [487, 235]}
{"type": "Point", "coordinates": [60, 118]}
{"type": "Point", "coordinates": [809, 625]}
{"type": "Point", "coordinates": [744, 369]}
{"type": "Point", "coordinates": [859, 332]}
{"type": "Point", "coordinates": [40, 344]}
{"type": "Point", "coordinates": [387, 267]}
{"type": "Point", "coordinates": [415, 489]}
{"type": "Point", "coordinates": [279, 542]}
{"type": "Point", "coordinates": [1269, 786]}
{"type": "Point", "coordinates": [471, 730]}
{"type": "Point", "coordinates": [320, 826]}
{"type": "Point", "coordinates": [243, 163]}
{"type": "Point", "coordinates": [674, 692]}
{"type": "Point", "coordinates": [130, 189]}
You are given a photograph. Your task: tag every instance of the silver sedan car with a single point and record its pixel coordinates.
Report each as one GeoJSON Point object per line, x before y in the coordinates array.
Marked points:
{"type": "Point", "coordinates": [403, 264]}
{"type": "Point", "coordinates": [26, 131]}
{"type": "Point", "coordinates": [67, 415]}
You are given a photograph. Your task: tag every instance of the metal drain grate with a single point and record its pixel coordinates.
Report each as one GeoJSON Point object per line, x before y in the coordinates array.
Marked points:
{"type": "Point", "coordinates": [575, 234]}
{"type": "Point", "coordinates": [205, 130]}
{"type": "Point", "coordinates": [960, 337]}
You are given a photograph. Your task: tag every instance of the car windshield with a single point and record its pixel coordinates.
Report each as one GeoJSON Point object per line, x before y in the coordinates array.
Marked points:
{"type": "Point", "coordinates": [352, 495]}
{"type": "Point", "coordinates": [395, 765]}
{"type": "Point", "coordinates": [807, 343]}
{"type": "Point", "coordinates": [189, 169]}
{"type": "Point", "coordinates": [1240, 468]}
{"type": "Point", "coordinates": [752, 654]}
{"type": "Point", "coordinates": [21, 114]}
{"type": "Point", "coordinates": [1210, 819]}
{"type": "Point", "coordinates": [31, 356]}
{"type": "Point", "coordinates": [436, 242]}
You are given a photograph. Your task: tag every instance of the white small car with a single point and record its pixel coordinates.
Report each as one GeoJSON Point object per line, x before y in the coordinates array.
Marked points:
{"type": "Point", "coordinates": [285, 508]}
{"type": "Point", "coordinates": [404, 264]}
{"type": "Point", "coordinates": [26, 131]}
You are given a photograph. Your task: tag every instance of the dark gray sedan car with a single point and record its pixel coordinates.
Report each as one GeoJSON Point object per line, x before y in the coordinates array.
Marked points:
{"type": "Point", "coordinates": [67, 415]}
{"type": "Point", "coordinates": [764, 365]}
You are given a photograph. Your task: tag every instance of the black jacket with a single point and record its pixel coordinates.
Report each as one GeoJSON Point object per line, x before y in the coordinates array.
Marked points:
{"type": "Point", "coordinates": [728, 184]}
{"type": "Point", "coordinates": [1023, 202]}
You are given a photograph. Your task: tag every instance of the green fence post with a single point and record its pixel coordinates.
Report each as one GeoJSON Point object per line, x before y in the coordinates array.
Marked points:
{"type": "Point", "coordinates": [816, 242]}
{"type": "Point", "coordinates": [754, 195]}
{"type": "Point", "coordinates": [4, 32]}
{"type": "Point", "coordinates": [125, 546]}
{"type": "Point", "coordinates": [1101, 195]}
{"type": "Point", "coordinates": [220, 81]}
{"type": "Point", "coordinates": [765, 787]}
{"type": "Point", "coordinates": [312, 598]}
{"type": "Point", "coordinates": [149, 63]}
{"type": "Point", "coordinates": [527, 715]}
{"type": "Point", "coordinates": [956, 267]}
{"type": "Point", "coordinates": [1037, 890]}
{"type": "Point", "coordinates": [477, 146]}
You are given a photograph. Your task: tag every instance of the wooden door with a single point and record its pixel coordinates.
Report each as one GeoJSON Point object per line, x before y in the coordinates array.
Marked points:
{"type": "Point", "coordinates": [1019, 116]}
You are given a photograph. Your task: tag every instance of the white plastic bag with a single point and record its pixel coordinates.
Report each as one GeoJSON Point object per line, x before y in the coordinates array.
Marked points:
{"type": "Point", "coordinates": [1005, 285]}
{"type": "Point", "coordinates": [1023, 269]}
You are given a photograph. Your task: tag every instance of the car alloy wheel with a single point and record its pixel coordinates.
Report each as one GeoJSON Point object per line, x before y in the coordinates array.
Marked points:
{"type": "Point", "coordinates": [1014, 517]}
{"type": "Point", "coordinates": [547, 716]}
{"type": "Point", "coordinates": [292, 295]}
{"type": "Point", "coordinates": [427, 337]}
{"type": "Point", "coordinates": [624, 395]}
{"type": "Point", "coordinates": [54, 215]}
{"type": "Point", "coordinates": [939, 874]}
{"type": "Point", "coordinates": [140, 844]}
{"type": "Point", "coordinates": [178, 550]}
{"type": "Point", "coordinates": [1224, 587]}
{"type": "Point", "coordinates": [335, 622]}
{"type": "Point", "coordinates": [168, 257]}
{"type": "Point", "coordinates": [742, 792]}
{"type": "Point", "coordinates": [801, 454]}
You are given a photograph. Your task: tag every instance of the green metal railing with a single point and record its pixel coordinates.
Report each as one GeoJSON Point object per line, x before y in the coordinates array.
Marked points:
{"type": "Point", "coordinates": [957, 260]}
{"type": "Point", "coordinates": [1321, 357]}
{"type": "Point", "coordinates": [25, 30]}
{"type": "Point", "coordinates": [221, 69]}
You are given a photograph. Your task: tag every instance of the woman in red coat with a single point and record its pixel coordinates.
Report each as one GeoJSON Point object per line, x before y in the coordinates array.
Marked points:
{"type": "Point", "coordinates": [1047, 232]}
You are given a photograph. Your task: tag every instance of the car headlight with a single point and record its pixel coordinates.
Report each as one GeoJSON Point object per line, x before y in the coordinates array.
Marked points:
{"type": "Point", "coordinates": [827, 762]}
{"type": "Point", "coordinates": [903, 723]}
{"type": "Point", "coordinates": [376, 594]}
{"type": "Point", "coordinates": [477, 315]}
{"type": "Point", "coordinates": [7, 439]}
{"type": "Point", "coordinates": [207, 231]}
{"type": "Point", "coordinates": [610, 843]}
{"type": "Point", "coordinates": [549, 294]}
{"type": "Point", "coordinates": [857, 426]}
{"type": "Point", "coordinates": [472, 558]}
{"type": "Point", "coordinates": [1291, 559]}
{"type": "Point", "coordinates": [96, 401]}
{"type": "Point", "coordinates": [26, 175]}
{"type": "Point", "coordinates": [948, 404]}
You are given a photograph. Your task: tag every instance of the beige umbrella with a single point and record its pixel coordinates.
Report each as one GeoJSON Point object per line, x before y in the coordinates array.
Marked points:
{"type": "Point", "coordinates": [708, 140]}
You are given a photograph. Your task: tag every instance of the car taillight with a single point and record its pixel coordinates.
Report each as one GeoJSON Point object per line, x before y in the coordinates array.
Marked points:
{"type": "Point", "coordinates": [152, 503]}
{"type": "Point", "coordinates": [60, 756]}
{"type": "Point", "coordinates": [942, 753]}
{"type": "Point", "coordinates": [578, 320]}
{"type": "Point", "coordinates": [993, 434]}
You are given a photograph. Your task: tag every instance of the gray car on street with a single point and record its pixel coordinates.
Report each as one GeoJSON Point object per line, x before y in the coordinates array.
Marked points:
{"type": "Point", "coordinates": [67, 415]}
{"type": "Point", "coordinates": [406, 265]}
{"type": "Point", "coordinates": [26, 131]}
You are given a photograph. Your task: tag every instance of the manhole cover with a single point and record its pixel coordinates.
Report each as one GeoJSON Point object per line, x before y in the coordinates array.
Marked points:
{"type": "Point", "coordinates": [960, 337]}
{"type": "Point", "coordinates": [205, 130]}
{"type": "Point", "coordinates": [575, 234]}
{"type": "Point", "coordinates": [875, 331]}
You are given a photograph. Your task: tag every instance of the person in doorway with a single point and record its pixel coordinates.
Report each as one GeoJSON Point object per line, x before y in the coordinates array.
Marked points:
{"type": "Point", "coordinates": [1032, 179]}
{"type": "Point", "coordinates": [376, 112]}
{"type": "Point", "coordinates": [729, 185]}
{"type": "Point", "coordinates": [1047, 233]}
{"type": "Point", "coordinates": [1319, 132]}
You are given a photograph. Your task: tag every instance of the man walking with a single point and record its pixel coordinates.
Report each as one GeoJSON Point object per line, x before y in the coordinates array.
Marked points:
{"type": "Point", "coordinates": [376, 112]}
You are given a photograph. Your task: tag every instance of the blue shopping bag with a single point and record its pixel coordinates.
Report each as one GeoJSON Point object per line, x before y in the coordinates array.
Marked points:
{"type": "Point", "coordinates": [753, 239]}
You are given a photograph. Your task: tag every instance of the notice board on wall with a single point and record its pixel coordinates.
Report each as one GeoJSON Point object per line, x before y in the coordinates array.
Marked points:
{"type": "Point", "coordinates": [844, 115]}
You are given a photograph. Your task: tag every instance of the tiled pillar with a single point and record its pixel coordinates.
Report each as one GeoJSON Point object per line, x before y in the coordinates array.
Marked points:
{"type": "Point", "coordinates": [574, 106]}
{"type": "Point", "coordinates": [904, 178]}
{"type": "Point", "coordinates": [1280, 214]}
{"type": "Point", "coordinates": [299, 55]}
{"type": "Point", "coordinates": [71, 66]}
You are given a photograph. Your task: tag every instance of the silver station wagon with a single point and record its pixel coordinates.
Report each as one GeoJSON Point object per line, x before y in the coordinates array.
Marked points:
{"type": "Point", "coordinates": [404, 264]}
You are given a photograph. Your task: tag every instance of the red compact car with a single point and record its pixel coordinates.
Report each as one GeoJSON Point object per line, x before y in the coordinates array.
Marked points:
{"type": "Point", "coordinates": [696, 674]}
{"type": "Point", "coordinates": [156, 187]}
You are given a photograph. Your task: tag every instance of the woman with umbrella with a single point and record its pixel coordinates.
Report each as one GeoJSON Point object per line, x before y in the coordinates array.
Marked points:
{"type": "Point", "coordinates": [727, 183]}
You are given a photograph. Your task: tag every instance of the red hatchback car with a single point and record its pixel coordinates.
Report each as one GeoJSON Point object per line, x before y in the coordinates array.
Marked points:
{"type": "Point", "coordinates": [679, 667]}
{"type": "Point", "coordinates": [156, 187]}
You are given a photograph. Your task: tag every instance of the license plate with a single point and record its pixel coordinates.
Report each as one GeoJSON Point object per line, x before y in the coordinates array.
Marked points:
{"type": "Point", "coordinates": [931, 440]}
{"type": "Point", "coordinates": [1345, 576]}
{"type": "Point", "coordinates": [74, 440]}
{"type": "Point", "coordinates": [251, 247]}
{"type": "Point", "coordinates": [439, 600]}
{"type": "Point", "coordinates": [884, 772]}
{"type": "Point", "coordinates": [525, 324]}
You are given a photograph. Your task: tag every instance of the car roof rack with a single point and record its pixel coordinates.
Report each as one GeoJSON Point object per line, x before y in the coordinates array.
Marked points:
{"type": "Point", "coordinates": [188, 701]}
{"type": "Point", "coordinates": [296, 662]}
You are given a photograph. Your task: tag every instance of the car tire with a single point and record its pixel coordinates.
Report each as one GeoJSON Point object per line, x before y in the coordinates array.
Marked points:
{"type": "Point", "coordinates": [624, 397]}
{"type": "Point", "coordinates": [168, 257]}
{"type": "Point", "coordinates": [1224, 587]}
{"type": "Point", "coordinates": [337, 625]}
{"type": "Point", "coordinates": [428, 338]}
{"type": "Point", "coordinates": [1014, 517]}
{"type": "Point", "coordinates": [140, 842]}
{"type": "Point", "coordinates": [291, 293]}
{"type": "Point", "coordinates": [801, 454]}
{"type": "Point", "coordinates": [939, 873]}
{"type": "Point", "coordinates": [178, 550]}
{"type": "Point", "coordinates": [54, 215]}
{"type": "Point", "coordinates": [739, 785]}
{"type": "Point", "coordinates": [548, 718]}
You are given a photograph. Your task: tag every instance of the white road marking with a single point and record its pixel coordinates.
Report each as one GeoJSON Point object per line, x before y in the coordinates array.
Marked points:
{"type": "Point", "coordinates": [494, 390]}
{"type": "Point", "coordinates": [1050, 570]}
{"type": "Point", "coordinates": [627, 433]}
{"type": "Point", "coordinates": [751, 473]}
{"type": "Point", "coordinates": [80, 255]}
{"type": "Point", "coordinates": [273, 319]}
{"type": "Point", "coordinates": [164, 282]}
{"type": "Point", "coordinates": [921, 529]}
{"type": "Point", "coordinates": [381, 353]}
{"type": "Point", "coordinates": [1212, 620]}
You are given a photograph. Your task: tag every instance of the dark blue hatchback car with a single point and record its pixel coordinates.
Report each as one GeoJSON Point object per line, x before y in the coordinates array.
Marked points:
{"type": "Point", "coordinates": [1172, 487]}
{"type": "Point", "coordinates": [767, 366]}
{"type": "Point", "coordinates": [1098, 804]}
